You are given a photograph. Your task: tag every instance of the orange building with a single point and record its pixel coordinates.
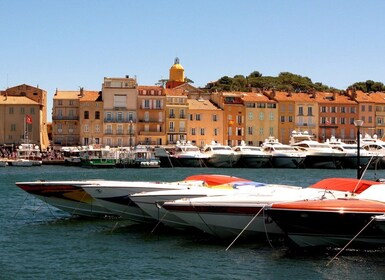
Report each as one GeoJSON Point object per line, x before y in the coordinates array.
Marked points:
{"type": "Point", "coordinates": [337, 113]}
{"type": "Point", "coordinates": [366, 110]}
{"type": "Point", "coordinates": [205, 122]}
{"type": "Point", "coordinates": [379, 99]}
{"type": "Point", "coordinates": [151, 115]}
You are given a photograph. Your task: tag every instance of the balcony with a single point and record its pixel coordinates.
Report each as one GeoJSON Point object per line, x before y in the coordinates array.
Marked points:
{"type": "Point", "coordinates": [65, 118]}
{"type": "Point", "coordinates": [116, 120]}
{"type": "Point", "coordinates": [151, 133]}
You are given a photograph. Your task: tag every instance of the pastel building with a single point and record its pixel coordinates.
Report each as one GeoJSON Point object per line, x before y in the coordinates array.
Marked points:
{"type": "Point", "coordinates": [23, 111]}
{"type": "Point", "coordinates": [366, 110]}
{"type": "Point", "coordinates": [379, 99]}
{"type": "Point", "coordinates": [120, 106]}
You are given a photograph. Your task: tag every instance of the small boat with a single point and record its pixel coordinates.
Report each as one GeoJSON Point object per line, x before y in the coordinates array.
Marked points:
{"type": "Point", "coordinates": [252, 156]}
{"type": "Point", "coordinates": [71, 156]}
{"type": "Point", "coordinates": [27, 155]}
{"type": "Point", "coordinates": [139, 157]}
{"type": "Point", "coordinates": [283, 156]}
{"type": "Point", "coordinates": [219, 155]}
{"type": "Point", "coordinates": [334, 222]}
{"type": "Point", "coordinates": [98, 157]}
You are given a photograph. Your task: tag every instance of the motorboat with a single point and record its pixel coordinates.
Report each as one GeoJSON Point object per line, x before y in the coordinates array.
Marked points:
{"type": "Point", "coordinates": [68, 196]}
{"type": "Point", "coordinates": [318, 155]}
{"type": "Point", "coordinates": [283, 156]}
{"type": "Point", "coordinates": [334, 222]}
{"type": "Point", "coordinates": [252, 156]}
{"type": "Point", "coordinates": [219, 155]}
{"type": "Point", "coordinates": [184, 154]}
{"type": "Point", "coordinates": [376, 146]}
{"type": "Point", "coordinates": [116, 196]}
{"type": "Point", "coordinates": [350, 159]}
{"type": "Point", "coordinates": [71, 156]}
{"type": "Point", "coordinates": [98, 157]}
{"type": "Point", "coordinates": [139, 157]}
{"type": "Point", "coordinates": [227, 216]}
{"type": "Point", "coordinates": [151, 202]}
{"type": "Point", "coordinates": [27, 155]}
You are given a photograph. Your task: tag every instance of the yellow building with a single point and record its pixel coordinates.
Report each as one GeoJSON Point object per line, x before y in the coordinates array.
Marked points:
{"type": "Point", "coordinates": [151, 116]}
{"type": "Point", "coordinates": [16, 104]}
{"type": "Point", "coordinates": [65, 118]}
{"type": "Point", "coordinates": [176, 76]}
{"type": "Point", "coordinates": [261, 118]}
{"type": "Point", "coordinates": [91, 117]}
{"type": "Point", "coordinates": [176, 115]}
{"type": "Point", "coordinates": [204, 123]}
{"type": "Point", "coordinates": [120, 106]}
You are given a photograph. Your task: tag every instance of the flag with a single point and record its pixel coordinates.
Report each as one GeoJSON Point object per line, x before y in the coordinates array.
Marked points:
{"type": "Point", "coordinates": [28, 119]}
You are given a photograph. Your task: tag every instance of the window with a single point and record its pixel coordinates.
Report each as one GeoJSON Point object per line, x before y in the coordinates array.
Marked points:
{"type": "Point", "coordinates": [271, 105]}
{"type": "Point", "coordinates": [172, 113]}
{"type": "Point", "coordinates": [282, 118]}
{"type": "Point", "coordinates": [333, 120]}
{"type": "Point", "coordinates": [32, 110]}
{"type": "Point", "coordinates": [352, 110]}
{"type": "Point", "coordinates": [261, 116]}
{"type": "Point", "coordinates": [119, 116]}
{"type": "Point", "coordinates": [271, 117]}
{"type": "Point", "coordinates": [97, 128]}
{"type": "Point", "coordinates": [370, 120]}
{"type": "Point", "coordinates": [119, 101]}
{"type": "Point", "coordinates": [120, 129]}
{"type": "Point", "coordinates": [261, 105]}
{"type": "Point", "coordinates": [342, 109]}
{"type": "Point", "coordinates": [60, 102]}
{"type": "Point", "coordinates": [198, 117]}
{"type": "Point", "coordinates": [158, 104]}
{"type": "Point", "coordinates": [380, 120]}
{"type": "Point", "coordinates": [97, 115]}
{"type": "Point", "coordinates": [333, 109]}
{"type": "Point", "coordinates": [250, 116]}
{"type": "Point", "coordinates": [261, 131]}
{"type": "Point", "coordinates": [171, 126]}
{"type": "Point", "coordinates": [370, 108]}
{"type": "Point", "coordinates": [323, 120]}
{"type": "Point", "coordinates": [13, 127]}
{"type": "Point", "coordinates": [323, 109]}
{"type": "Point", "coordinates": [108, 116]}
{"type": "Point", "coordinates": [190, 117]}
{"type": "Point", "coordinates": [300, 111]}
{"type": "Point", "coordinates": [86, 128]}
{"type": "Point", "coordinates": [22, 110]}
{"type": "Point", "coordinates": [216, 131]}
{"type": "Point", "coordinates": [271, 131]}
{"type": "Point", "coordinates": [202, 131]}
{"type": "Point", "coordinates": [342, 120]}
{"type": "Point", "coordinates": [182, 114]}
{"type": "Point", "coordinates": [10, 110]}
{"type": "Point", "coordinates": [71, 113]}
{"type": "Point", "coordinates": [250, 130]}
{"type": "Point", "coordinates": [239, 119]}
{"type": "Point", "coordinates": [86, 115]}
{"type": "Point", "coordinates": [290, 118]}
{"type": "Point", "coordinates": [146, 104]}
{"type": "Point", "coordinates": [192, 131]}
{"type": "Point", "coordinates": [215, 118]}
{"type": "Point", "coordinates": [363, 108]}
{"type": "Point", "coordinates": [130, 116]}
{"type": "Point", "coordinates": [310, 111]}
{"type": "Point", "coordinates": [71, 102]}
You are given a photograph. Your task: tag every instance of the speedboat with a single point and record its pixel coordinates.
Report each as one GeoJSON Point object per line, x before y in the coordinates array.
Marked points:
{"type": "Point", "coordinates": [283, 156]}
{"type": "Point", "coordinates": [318, 155]}
{"type": "Point", "coordinates": [227, 216]}
{"type": "Point", "coordinates": [151, 202]}
{"type": "Point", "coordinates": [116, 196]}
{"type": "Point", "coordinates": [68, 196]}
{"type": "Point", "coordinates": [334, 222]}
{"type": "Point", "coordinates": [376, 146]}
{"type": "Point", "coordinates": [219, 155]}
{"type": "Point", "coordinates": [251, 156]}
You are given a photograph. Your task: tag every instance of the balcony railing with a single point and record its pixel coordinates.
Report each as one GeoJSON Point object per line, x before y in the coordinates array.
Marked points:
{"type": "Point", "coordinates": [65, 118]}
{"type": "Point", "coordinates": [116, 120]}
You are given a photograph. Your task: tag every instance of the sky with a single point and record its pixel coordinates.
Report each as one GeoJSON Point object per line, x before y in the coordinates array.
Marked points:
{"type": "Point", "coordinates": [69, 44]}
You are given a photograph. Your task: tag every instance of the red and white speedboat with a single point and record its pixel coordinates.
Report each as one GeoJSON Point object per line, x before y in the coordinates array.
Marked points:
{"type": "Point", "coordinates": [228, 215]}
{"type": "Point", "coordinates": [335, 222]}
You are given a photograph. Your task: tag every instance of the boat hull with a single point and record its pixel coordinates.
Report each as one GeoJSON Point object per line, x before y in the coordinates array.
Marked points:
{"type": "Point", "coordinates": [253, 161]}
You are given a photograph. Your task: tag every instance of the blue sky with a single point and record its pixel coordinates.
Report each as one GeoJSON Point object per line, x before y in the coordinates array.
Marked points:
{"type": "Point", "coordinates": [67, 44]}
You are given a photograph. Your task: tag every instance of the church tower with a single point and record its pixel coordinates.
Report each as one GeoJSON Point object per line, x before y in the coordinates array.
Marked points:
{"type": "Point", "coordinates": [176, 75]}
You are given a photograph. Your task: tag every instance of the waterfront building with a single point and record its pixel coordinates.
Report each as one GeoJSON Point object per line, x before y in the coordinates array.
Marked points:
{"type": "Point", "coordinates": [233, 115]}
{"type": "Point", "coordinates": [65, 118]}
{"type": "Point", "coordinates": [261, 118]}
{"type": "Point", "coordinates": [337, 113]}
{"type": "Point", "coordinates": [379, 99]}
{"type": "Point", "coordinates": [150, 128]}
{"type": "Point", "coordinates": [204, 122]}
{"type": "Point", "coordinates": [90, 117]}
{"type": "Point", "coordinates": [306, 112]}
{"type": "Point", "coordinates": [366, 110]}
{"type": "Point", "coordinates": [286, 114]}
{"type": "Point", "coordinates": [23, 110]}
{"type": "Point", "coordinates": [120, 97]}
{"type": "Point", "coordinates": [176, 114]}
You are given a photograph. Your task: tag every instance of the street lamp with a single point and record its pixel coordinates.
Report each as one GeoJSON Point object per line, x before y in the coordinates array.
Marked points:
{"type": "Point", "coordinates": [358, 124]}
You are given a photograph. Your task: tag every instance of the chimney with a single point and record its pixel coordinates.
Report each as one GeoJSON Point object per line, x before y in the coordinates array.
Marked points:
{"type": "Point", "coordinates": [81, 92]}
{"type": "Point", "coordinates": [334, 95]}
{"type": "Point", "coordinates": [272, 95]}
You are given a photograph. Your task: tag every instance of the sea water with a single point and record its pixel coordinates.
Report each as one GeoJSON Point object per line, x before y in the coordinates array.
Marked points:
{"type": "Point", "coordinates": [38, 241]}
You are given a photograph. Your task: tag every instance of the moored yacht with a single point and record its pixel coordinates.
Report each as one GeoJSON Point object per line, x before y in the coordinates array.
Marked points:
{"type": "Point", "coordinates": [251, 156]}
{"type": "Point", "coordinates": [219, 155]}
{"type": "Point", "coordinates": [283, 156]}
{"type": "Point", "coordinates": [318, 155]}
{"type": "Point", "coordinates": [185, 154]}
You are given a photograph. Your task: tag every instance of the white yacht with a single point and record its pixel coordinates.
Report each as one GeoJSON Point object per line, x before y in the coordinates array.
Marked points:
{"type": "Point", "coordinates": [252, 156]}
{"type": "Point", "coordinates": [318, 155]}
{"type": "Point", "coordinates": [375, 145]}
{"type": "Point", "coordinates": [283, 156]}
{"type": "Point", "coordinates": [187, 155]}
{"type": "Point", "coordinates": [350, 159]}
{"type": "Point", "coordinates": [219, 155]}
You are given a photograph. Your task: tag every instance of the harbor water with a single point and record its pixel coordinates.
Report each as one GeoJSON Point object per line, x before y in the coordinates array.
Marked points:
{"type": "Point", "coordinates": [38, 241]}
